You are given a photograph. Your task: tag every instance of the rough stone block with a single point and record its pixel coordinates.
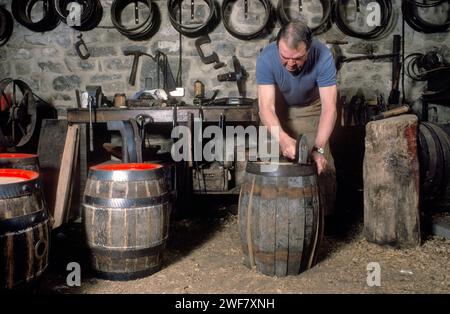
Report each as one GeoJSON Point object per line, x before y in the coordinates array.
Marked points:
{"type": "Point", "coordinates": [70, 82]}
{"type": "Point", "coordinates": [50, 66]}
{"type": "Point", "coordinates": [100, 78]}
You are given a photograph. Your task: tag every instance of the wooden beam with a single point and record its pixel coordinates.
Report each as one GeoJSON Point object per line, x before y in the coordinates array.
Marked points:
{"type": "Point", "coordinates": [165, 114]}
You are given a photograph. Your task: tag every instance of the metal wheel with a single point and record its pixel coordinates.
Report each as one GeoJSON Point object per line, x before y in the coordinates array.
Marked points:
{"type": "Point", "coordinates": [18, 120]}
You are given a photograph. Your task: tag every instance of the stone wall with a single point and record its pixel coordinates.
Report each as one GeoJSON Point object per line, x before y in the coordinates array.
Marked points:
{"type": "Point", "coordinates": [49, 64]}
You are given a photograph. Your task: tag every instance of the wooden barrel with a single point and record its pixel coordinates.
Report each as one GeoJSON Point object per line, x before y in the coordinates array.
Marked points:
{"type": "Point", "coordinates": [434, 159]}
{"type": "Point", "coordinates": [280, 218]}
{"type": "Point", "coordinates": [19, 161]}
{"type": "Point", "coordinates": [126, 218]}
{"type": "Point", "coordinates": [24, 229]}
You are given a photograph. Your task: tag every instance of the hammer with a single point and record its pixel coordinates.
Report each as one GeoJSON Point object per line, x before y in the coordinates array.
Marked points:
{"type": "Point", "coordinates": [136, 55]}
{"type": "Point", "coordinates": [301, 150]}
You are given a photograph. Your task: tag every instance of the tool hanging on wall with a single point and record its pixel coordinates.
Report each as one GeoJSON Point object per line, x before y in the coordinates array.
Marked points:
{"type": "Point", "coordinates": [95, 96]}
{"type": "Point", "coordinates": [91, 13]}
{"type": "Point", "coordinates": [340, 59]}
{"type": "Point", "coordinates": [197, 29]}
{"type": "Point", "coordinates": [384, 27]}
{"type": "Point", "coordinates": [81, 48]}
{"type": "Point", "coordinates": [239, 76]}
{"type": "Point", "coordinates": [394, 96]}
{"type": "Point", "coordinates": [435, 70]}
{"type": "Point", "coordinates": [410, 10]}
{"type": "Point", "coordinates": [213, 58]}
{"type": "Point", "coordinates": [22, 11]}
{"type": "Point", "coordinates": [324, 24]}
{"type": "Point", "coordinates": [136, 55]}
{"type": "Point", "coordinates": [268, 20]}
{"type": "Point", "coordinates": [162, 66]}
{"type": "Point", "coordinates": [6, 26]}
{"type": "Point", "coordinates": [142, 31]}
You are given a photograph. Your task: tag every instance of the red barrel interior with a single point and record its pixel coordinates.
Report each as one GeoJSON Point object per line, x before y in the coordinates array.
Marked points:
{"type": "Point", "coordinates": [128, 166]}
{"type": "Point", "coordinates": [16, 155]}
{"type": "Point", "coordinates": [18, 174]}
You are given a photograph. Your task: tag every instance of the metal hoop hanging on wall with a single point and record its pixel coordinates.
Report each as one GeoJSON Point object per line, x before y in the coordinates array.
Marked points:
{"type": "Point", "coordinates": [193, 31]}
{"type": "Point", "coordinates": [325, 23]}
{"type": "Point", "coordinates": [21, 10]}
{"type": "Point", "coordinates": [142, 31]}
{"type": "Point", "coordinates": [410, 10]}
{"type": "Point", "coordinates": [265, 29]}
{"type": "Point", "coordinates": [378, 31]}
{"type": "Point", "coordinates": [91, 15]}
{"type": "Point", "coordinates": [6, 26]}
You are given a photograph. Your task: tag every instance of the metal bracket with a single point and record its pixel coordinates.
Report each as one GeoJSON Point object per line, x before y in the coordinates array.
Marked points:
{"type": "Point", "coordinates": [213, 58]}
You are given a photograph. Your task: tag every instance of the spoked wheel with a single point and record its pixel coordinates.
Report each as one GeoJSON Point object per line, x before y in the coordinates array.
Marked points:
{"type": "Point", "coordinates": [19, 115]}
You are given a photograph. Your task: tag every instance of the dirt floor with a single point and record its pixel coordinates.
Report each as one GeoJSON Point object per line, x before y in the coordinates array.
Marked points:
{"type": "Point", "coordinates": [204, 256]}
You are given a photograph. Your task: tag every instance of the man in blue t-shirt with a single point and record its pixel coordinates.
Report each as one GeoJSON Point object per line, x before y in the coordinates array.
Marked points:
{"type": "Point", "coordinates": [300, 69]}
{"type": "Point", "coordinates": [297, 73]}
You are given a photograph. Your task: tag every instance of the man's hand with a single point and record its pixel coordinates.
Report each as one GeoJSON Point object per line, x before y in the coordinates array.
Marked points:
{"type": "Point", "coordinates": [288, 145]}
{"type": "Point", "coordinates": [320, 161]}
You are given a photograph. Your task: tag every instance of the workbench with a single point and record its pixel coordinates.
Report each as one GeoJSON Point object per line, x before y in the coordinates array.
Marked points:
{"type": "Point", "coordinates": [176, 115]}
{"type": "Point", "coordinates": [166, 114]}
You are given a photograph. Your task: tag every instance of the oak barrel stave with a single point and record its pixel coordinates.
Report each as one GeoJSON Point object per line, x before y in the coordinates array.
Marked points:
{"type": "Point", "coordinates": [126, 225]}
{"type": "Point", "coordinates": [280, 222]}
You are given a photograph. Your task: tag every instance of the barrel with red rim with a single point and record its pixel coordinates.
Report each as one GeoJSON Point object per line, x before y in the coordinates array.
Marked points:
{"type": "Point", "coordinates": [24, 229]}
{"type": "Point", "coordinates": [19, 161]}
{"type": "Point", "coordinates": [126, 212]}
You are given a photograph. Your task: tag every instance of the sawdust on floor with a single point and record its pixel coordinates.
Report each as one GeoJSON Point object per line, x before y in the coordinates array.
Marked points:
{"type": "Point", "coordinates": [203, 255]}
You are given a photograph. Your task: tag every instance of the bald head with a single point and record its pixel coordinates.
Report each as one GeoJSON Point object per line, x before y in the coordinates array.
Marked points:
{"type": "Point", "coordinates": [294, 33]}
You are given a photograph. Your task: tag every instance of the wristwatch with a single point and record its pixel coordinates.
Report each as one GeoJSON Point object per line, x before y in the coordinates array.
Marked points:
{"type": "Point", "coordinates": [320, 150]}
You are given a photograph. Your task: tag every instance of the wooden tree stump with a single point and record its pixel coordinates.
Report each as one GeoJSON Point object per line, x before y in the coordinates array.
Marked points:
{"type": "Point", "coordinates": [391, 182]}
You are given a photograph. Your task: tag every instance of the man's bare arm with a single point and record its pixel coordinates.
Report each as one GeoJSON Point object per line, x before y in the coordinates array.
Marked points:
{"type": "Point", "coordinates": [328, 97]}
{"type": "Point", "coordinates": [267, 113]}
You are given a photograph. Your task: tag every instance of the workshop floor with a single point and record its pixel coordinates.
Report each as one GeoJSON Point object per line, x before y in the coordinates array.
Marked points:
{"type": "Point", "coordinates": [204, 256]}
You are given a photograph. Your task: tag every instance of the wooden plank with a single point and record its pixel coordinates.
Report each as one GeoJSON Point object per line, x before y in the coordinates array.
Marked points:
{"type": "Point", "coordinates": [65, 175]}
{"type": "Point", "coordinates": [50, 151]}
{"type": "Point", "coordinates": [74, 211]}
{"type": "Point", "coordinates": [165, 114]}
{"type": "Point", "coordinates": [296, 225]}
{"type": "Point", "coordinates": [267, 231]}
{"type": "Point", "coordinates": [282, 228]}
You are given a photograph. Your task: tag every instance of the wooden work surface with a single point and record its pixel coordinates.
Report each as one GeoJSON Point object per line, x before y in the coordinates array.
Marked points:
{"type": "Point", "coordinates": [166, 114]}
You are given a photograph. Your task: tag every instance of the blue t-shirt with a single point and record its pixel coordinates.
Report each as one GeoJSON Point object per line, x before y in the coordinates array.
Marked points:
{"type": "Point", "coordinates": [319, 70]}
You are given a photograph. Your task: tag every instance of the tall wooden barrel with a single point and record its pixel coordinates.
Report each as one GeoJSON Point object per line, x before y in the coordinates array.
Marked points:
{"type": "Point", "coordinates": [434, 159]}
{"type": "Point", "coordinates": [19, 161]}
{"type": "Point", "coordinates": [280, 218]}
{"type": "Point", "coordinates": [24, 229]}
{"type": "Point", "coordinates": [126, 218]}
